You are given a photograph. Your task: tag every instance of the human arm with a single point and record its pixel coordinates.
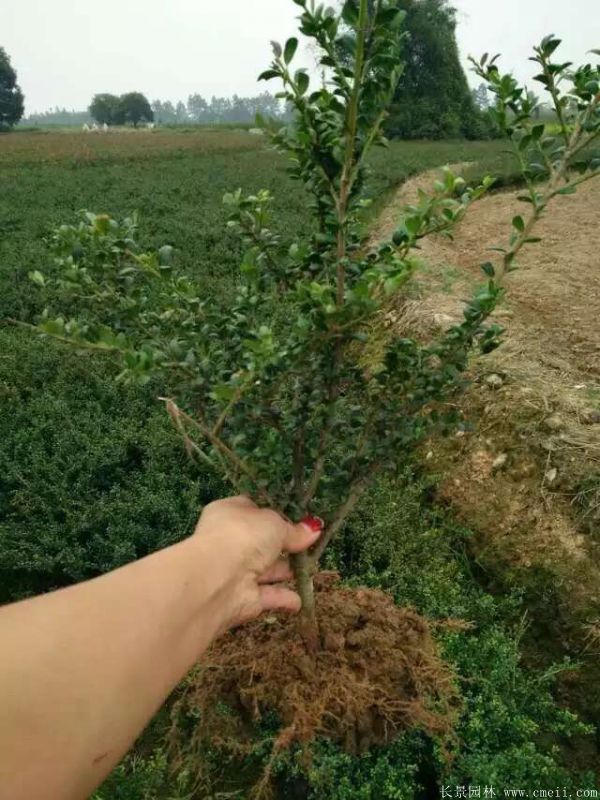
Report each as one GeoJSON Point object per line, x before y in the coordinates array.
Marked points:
{"type": "Point", "coordinates": [83, 669]}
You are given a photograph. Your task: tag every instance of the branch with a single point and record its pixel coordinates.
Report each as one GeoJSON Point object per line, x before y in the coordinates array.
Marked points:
{"type": "Point", "coordinates": [553, 89]}
{"type": "Point", "coordinates": [340, 517]}
{"type": "Point", "coordinates": [318, 467]}
{"type": "Point", "coordinates": [190, 446]}
{"type": "Point", "coordinates": [348, 169]}
{"type": "Point", "coordinates": [83, 344]}
{"type": "Point", "coordinates": [333, 394]}
{"type": "Point", "coordinates": [298, 457]}
{"type": "Point", "coordinates": [580, 127]}
{"type": "Point", "coordinates": [175, 413]}
{"type": "Point", "coordinates": [232, 403]}
{"type": "Point", "coordinates": [304, 108]}
{"type": "Point", "coordinates": [369, 142]}
{"type": "Point", "coordinates": [582, 179]}
{"type": "Point", "coordinates": [553, 189]}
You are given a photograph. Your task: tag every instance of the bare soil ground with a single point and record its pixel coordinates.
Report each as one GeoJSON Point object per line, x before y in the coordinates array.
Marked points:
{"type": "Point", "coordinates": [527, 478]}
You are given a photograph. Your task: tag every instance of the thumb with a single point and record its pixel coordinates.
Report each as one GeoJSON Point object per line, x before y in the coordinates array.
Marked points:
{"type": "Point", "coordinates": [303, 535]}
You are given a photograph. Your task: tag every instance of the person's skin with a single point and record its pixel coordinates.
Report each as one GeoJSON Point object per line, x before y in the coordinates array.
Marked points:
{"type": "Point", "coordinates": [83, 669]}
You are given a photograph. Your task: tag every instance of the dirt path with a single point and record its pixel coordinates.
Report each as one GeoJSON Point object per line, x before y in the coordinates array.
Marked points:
{"type": "Point", "coordinates": [556, 295]}
{"type": "Point", "coordinates": [528, 477]}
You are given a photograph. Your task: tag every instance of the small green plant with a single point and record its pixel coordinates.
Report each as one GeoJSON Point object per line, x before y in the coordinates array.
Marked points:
{"type": "Point", "coordinates": [272, 395]}
{"type": "Point", "coordinates": [146, 778]}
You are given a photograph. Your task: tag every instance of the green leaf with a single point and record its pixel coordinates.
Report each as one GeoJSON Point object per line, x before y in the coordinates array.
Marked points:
{"type": "Point", "coordinates": [302, 82]}
{"type": "Point", "coordinates": [53, 327]}
{"type": "Point", "coordinates": [542, 78]}
{"type": "Point", "coordinates": [350, 12]}
{"type": "Point", "coordinates": [537, 132]}
{"type": "Point", "coordinates": [277, 51]}
{"type": "Point", "coordinates": [268, 75]}
{"type": "Point", "coordinates": [386, 16]}
{"type": "Point", "coordinates": [223, 392]}
{"type": "Point", "coordinates": [549, 45]}
{"type": "Point", "coordinates": [525, 142]}
{"type": "Point", "coordinates": [489, 269]}
{"type": "Point", "coordinates": [37, 277]}
{"type": "Point", "coordinates": [519, 223]}
{"type": "Point", "coordinates": [290, 49]}
{"type": "Point", "coordinates": [413, 225]}
{"type": "Point", "coordinates": [399, 237]}
{"type": "Point", "coordinates": [165, 255]}
{"type": "Point", "coordinates": [567, 190]}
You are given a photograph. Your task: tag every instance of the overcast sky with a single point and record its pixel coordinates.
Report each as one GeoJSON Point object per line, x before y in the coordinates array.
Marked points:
{"type": "Point", "coordinates": [66, 50]}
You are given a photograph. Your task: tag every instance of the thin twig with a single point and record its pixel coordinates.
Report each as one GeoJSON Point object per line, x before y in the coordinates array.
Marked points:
{"type": "Point", "coordinates": [340, 517]}
{"type": "Point", "coordinates": [174, 411]}
{"type": "Point", "coordinates": [84, 345]}
{"type": "Point", "coordinates": [232, 403]}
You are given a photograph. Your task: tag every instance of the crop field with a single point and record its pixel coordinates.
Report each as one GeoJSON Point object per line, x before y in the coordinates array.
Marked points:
{"type": "Point", "coordinates": [175, 182]}
{"type": "Point", "coordinates": [78, 149]}
{"type": "Point", "coordinates": [92, 475]}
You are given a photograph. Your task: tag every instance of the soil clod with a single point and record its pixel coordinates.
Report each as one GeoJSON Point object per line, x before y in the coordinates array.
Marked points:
{"type": "Point", "coordinates": [377, 673]}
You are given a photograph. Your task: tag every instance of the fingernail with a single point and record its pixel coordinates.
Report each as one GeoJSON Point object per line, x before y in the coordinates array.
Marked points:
{"type": "Point", "coordinates": [315, 524]}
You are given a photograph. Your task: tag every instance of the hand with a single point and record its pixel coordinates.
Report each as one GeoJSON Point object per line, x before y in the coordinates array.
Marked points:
{"type": "Point", "coordinates": [83, 669]}
{"type": "Point", "coordinates": [254, 544]}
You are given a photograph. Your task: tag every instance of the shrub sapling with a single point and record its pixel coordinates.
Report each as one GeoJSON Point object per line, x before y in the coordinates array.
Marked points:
{"type": "Point", "coordinates": [271, 392]}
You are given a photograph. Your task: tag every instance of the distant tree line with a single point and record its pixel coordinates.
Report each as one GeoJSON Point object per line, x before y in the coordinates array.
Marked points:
{"type": "Point", "coordinates": [58, 116]}
{"type": "Point", "coordinates": [481, 97]}
{"type": "Point", "coordinates": [218, 109]}
{"type": "Point", "coordinates": [134, 108]}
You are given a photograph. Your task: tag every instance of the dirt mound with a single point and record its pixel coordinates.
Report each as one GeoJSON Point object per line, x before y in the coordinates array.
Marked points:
{"type": "Point", "coordinates": [527, 477]}
{"type": "Point", "coordinates": [378, 673]}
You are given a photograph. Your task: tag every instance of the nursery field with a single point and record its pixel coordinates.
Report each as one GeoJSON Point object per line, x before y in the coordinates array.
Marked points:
{"type": "Point", "coordinates": [92, 475]}
{"type": "Point", "coordinates": [176, 182]}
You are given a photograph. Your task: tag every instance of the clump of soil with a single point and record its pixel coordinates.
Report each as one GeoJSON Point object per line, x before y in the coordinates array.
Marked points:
{"type": "Point", "coordinates": [378, 673]}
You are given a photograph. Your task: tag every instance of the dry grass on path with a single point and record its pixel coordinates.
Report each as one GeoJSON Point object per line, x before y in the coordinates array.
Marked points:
{"type": "Point", "coordinates": [527, 478]}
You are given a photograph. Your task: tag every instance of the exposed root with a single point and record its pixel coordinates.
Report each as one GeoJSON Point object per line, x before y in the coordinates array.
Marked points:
{"type": "Point", "coordinates": [378, 673]}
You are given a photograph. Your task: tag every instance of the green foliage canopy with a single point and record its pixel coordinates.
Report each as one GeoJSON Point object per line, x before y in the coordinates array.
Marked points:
{"type": "Point", "coordinates": [12, 102]}
{"type": "Point", "coordinates": [433, 99]}
{"type": "Point", "coordinates": [135, 108]}
{"type": "Point", "coordinates": [109, 109]}
{"type": "Point", "coordinates": [105, 109]}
